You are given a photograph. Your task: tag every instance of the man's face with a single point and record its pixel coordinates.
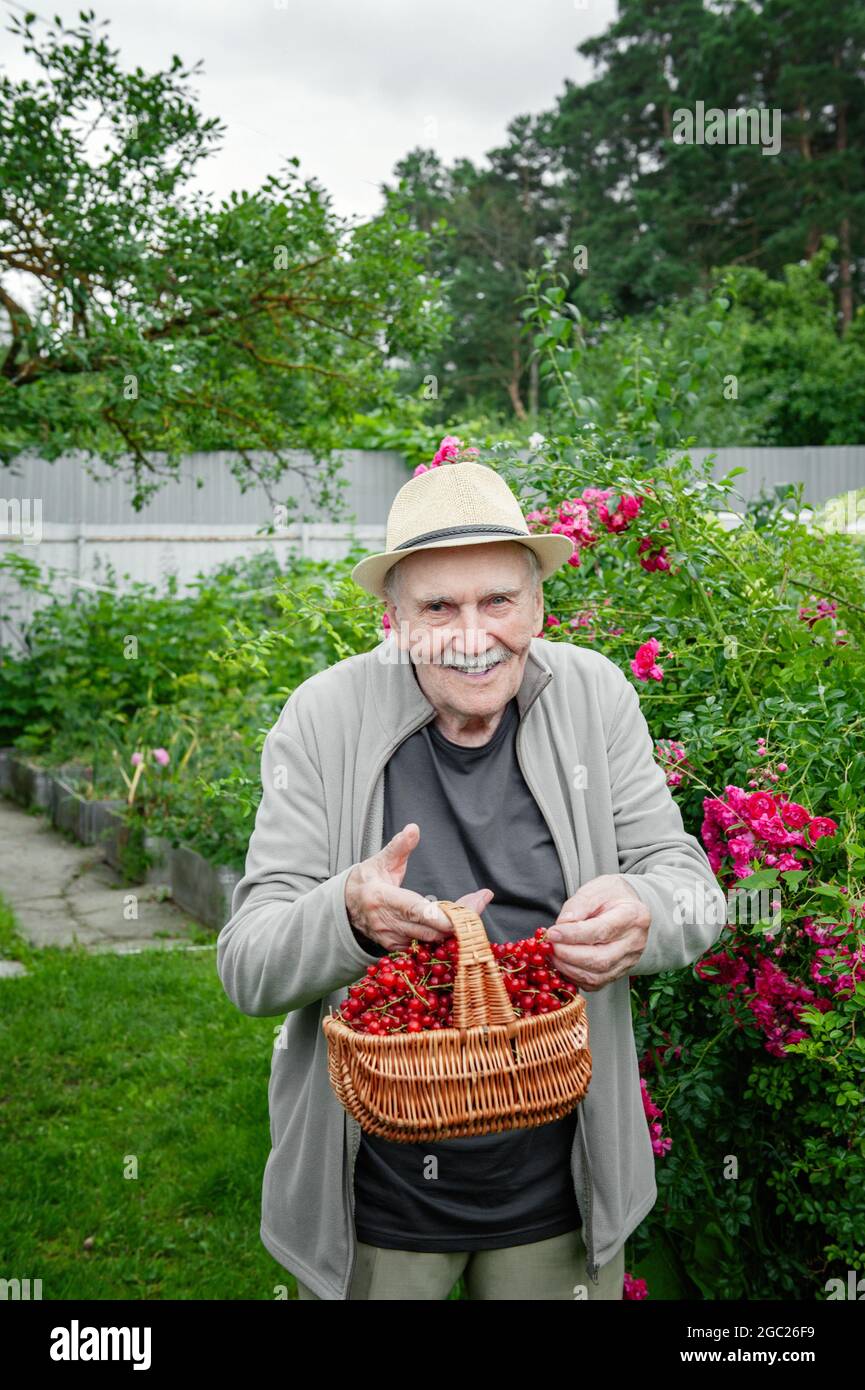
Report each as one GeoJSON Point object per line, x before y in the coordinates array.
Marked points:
{"type": "Point", "coordinates": [463, 607]}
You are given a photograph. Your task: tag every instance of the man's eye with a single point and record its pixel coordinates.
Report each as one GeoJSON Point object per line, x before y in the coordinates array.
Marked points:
{"type": "Point", "coordinates": [438, 606]}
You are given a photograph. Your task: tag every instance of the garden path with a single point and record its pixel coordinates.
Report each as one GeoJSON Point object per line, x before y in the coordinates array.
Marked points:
{"type": "Point", "coordinates": [62, 892]}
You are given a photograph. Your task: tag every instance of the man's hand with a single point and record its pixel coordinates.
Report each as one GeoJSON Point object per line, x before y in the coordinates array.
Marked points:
{"type": "Point", "coordinates": [393, 916]}
{"type": "Point", "coordinates": [600, 933]}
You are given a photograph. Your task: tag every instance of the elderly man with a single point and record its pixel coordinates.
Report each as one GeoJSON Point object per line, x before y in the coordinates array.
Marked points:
{"type": "Point", "coordinates": [464, 758]}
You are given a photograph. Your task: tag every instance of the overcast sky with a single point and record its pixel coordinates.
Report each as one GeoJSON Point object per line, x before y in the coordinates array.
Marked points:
{"type": "Point", "coordinates": [348, 86]}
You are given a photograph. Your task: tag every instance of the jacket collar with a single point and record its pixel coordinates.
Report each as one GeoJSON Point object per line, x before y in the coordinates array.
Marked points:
{"type": "Point", "coordinates": [407, 702]}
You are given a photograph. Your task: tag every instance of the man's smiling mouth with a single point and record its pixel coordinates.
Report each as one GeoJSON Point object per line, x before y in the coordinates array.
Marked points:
{"type": "Point", "coordinates": [475, 670]}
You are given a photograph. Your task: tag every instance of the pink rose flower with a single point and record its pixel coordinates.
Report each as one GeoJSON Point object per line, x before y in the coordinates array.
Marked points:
{"type": "Point", "coordinates": [644, 665]}
{"type": "Point", "coordinates": [761, 804]}
{"type": "Point", "coordinates": [652, 556]}
{"type": "Point", "coordinates": [821, 826]}
{"type": "Point", "coordinates": [634, 1288]}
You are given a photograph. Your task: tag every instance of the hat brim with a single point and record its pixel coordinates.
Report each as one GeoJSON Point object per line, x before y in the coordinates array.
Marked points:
{"type": "Point", "coordinates": [552, 549]}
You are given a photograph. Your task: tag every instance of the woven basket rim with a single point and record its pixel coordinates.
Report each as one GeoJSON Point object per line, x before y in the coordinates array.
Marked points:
{"type": "Point", "coordinates": [331, 1021]}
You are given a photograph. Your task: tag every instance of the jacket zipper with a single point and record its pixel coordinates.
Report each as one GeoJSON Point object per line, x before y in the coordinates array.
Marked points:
{"type": "Point", "coordinates": [587, 1180]}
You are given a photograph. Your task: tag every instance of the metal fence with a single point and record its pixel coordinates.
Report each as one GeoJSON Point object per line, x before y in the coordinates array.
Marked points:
{"type": "Point", "coordinates": [74, 492]}
{"type": "Point", "coordinates": [84, 526]}
{"type": "Point", "coordinates": [826, 472]}
{"type": "Point", "coordinates": [206, 493]}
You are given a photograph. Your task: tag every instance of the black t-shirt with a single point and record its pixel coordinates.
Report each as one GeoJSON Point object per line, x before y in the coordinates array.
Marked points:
{"type": "Point", "coordinates": [480, 827]}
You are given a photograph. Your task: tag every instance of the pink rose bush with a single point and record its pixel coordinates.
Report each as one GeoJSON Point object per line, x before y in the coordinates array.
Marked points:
{"type": "Point", "coordinates": [744, 832]}
{"type": "Point", "coordinates": [595, 510]}
{"type": "Point", "coordinates": [758, 827]}
{"type": "Point", "coordinates": [839, 961]}
{"type": "Point", "coordinates": [660, 1145]}
{"type": "Point", "coordinates": [773, 998]}
{"type": "Point", "coordinates": [580, 518]}
{"type": "Point", "coordinates": [672, 757]}
{"type": "Point", "coordinates": [450, 450]}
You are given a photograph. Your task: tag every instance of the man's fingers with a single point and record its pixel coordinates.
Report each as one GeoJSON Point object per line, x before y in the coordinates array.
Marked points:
{"type": "Point", "coordinates": [586, 959]}
{"type": "Point", "coordinates": [584, 903]}
{"type": "Point", "coordinates": [477, 900]}
{"type": "Point", "coordinates": [394, 855]}
{"type": "Point", "coordinates": [401, 908]}
{"type": "Point", "coordinates": [597, 930]}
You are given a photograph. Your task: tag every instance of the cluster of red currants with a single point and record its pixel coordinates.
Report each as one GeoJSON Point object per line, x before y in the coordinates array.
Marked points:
{"type": "Point", "coordinates": [413, 991]}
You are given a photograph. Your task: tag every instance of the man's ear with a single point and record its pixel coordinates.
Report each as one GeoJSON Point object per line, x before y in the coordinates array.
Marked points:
{"type": "Point", "coordinates": [390, 610]}
{"type": "Point", "coordinates": [538, 623]}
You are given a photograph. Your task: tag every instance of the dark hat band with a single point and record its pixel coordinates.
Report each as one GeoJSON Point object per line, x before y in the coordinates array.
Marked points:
{"type": "Point", "coordinates": [462, 531]}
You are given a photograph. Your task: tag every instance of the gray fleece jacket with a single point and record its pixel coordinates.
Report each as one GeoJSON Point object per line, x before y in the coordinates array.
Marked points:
{"type": "Point", "coordinates": [587, 756]}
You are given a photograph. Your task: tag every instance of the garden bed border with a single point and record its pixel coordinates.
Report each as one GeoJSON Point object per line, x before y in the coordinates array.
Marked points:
{"type": "Point", "coordinates": [203, 889]}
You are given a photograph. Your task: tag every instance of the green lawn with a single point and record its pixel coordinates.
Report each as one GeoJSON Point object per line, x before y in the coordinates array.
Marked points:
{"type": "Point", "coordinates": [106, 1057]}
{"type": "Point", "coordinates": [111, 1058]}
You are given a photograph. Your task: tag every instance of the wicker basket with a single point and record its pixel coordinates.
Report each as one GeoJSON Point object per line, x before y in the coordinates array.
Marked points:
{"type": "Point", "coordinates": [491, 1071]}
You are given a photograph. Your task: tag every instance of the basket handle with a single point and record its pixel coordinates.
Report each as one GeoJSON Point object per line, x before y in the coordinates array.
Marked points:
{"type": "Point", "coordinates": [479, 990]}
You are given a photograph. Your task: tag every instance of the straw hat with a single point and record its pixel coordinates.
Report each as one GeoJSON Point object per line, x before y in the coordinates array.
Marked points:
{"type": "Point", "coordinates": [455, 504]}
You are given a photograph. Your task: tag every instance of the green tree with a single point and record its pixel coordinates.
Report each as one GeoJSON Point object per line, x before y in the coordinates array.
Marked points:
{"type": "Point", "coordinates": [142, 323]}
{"type": "Point", "coordinates": [493, 225]}
{"type": "Point", "coordinates": [751, 359]}
{"type": "Point", "coordinates": [633, 218]}
{"type": "Point", "coordinates": [657, 215]}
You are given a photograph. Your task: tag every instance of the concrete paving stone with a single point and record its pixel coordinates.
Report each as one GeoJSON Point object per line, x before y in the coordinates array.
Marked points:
{"type": "Point", "coordinates": [10, 969]}
{"type": "Point", "coordinates": [63, 893]}
{"type": "Point", "coordinates": [42, 921]}
{"type": "Point", "coordinates": [98, 871]}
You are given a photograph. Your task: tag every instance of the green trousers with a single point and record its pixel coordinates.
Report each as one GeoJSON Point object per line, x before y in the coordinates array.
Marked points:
{"type": "Point", "coordinates": [547, 1269]}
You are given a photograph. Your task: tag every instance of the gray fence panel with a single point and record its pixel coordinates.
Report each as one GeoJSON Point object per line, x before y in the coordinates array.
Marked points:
{"type": "Point", "coordinates": [186, 529]}
{"type": "Point", "coordinates": [826, 471]}
{"type": "Point", "coordinates": [73, 495]}
{"type": "Point", "coordinates": [70, 493]}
